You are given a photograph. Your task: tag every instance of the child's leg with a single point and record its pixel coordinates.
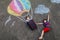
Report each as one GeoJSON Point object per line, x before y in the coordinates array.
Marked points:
{"type": "Point", "coordinates": [42, 34]}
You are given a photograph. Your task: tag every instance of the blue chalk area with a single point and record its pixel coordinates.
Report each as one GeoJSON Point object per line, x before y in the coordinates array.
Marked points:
{"type": "Point", "coordinates": [41, 9]}
{"type": "Point", "coordinates": [55, 1]}
{"type": "Point", "coordinates": [27, 4]}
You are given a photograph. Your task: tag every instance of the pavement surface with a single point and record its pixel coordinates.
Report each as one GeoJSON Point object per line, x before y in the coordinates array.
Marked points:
{"type": "Point", "coordinates": [22, 32]}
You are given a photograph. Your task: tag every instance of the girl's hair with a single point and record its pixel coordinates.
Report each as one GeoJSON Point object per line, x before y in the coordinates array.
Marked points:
{"type": "Point", "coordinates": [44, 19]}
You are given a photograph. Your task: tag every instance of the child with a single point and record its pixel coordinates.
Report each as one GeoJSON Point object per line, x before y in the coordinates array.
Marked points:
{"type": "Point", "coordinates": [46, 28]}
{"type": "Point", "coordinates": [31, 23]}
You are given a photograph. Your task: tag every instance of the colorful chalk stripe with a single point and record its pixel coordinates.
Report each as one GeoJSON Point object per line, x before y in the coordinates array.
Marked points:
{"type": "Point", "coordinates": [18, 7]}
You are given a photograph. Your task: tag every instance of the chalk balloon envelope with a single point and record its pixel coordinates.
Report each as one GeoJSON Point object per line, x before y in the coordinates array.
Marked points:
{"type": "Point", "coordinates": [19, 8]}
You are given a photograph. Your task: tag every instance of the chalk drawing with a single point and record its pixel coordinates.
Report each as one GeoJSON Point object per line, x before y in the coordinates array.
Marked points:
{"type": "Point", "coordinates": [41, 9]}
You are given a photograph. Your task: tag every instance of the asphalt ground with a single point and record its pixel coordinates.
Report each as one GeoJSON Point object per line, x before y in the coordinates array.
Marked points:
{"type": "Point", "coordinates": [22, 32]}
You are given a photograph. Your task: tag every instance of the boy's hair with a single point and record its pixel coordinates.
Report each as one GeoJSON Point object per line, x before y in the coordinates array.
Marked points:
{"type": "Point", "coordinates": [26, 17]}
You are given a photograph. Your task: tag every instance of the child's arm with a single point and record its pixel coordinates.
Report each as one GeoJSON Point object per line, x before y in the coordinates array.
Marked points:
{"type": "Point", "coordinates": [48, 18]}
{"type": "Point", "coordinates": [31, 15]}
{"type": "Point", "coordinates": [39, 23]}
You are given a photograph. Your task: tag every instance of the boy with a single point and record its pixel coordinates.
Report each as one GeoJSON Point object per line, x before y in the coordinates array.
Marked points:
{"type": "Point", "coordinates": [31, 23]}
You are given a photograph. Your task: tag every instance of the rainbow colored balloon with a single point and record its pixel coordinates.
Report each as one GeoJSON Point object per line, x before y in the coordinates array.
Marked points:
{"type": "Point", "coordinates": [18, 7]}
